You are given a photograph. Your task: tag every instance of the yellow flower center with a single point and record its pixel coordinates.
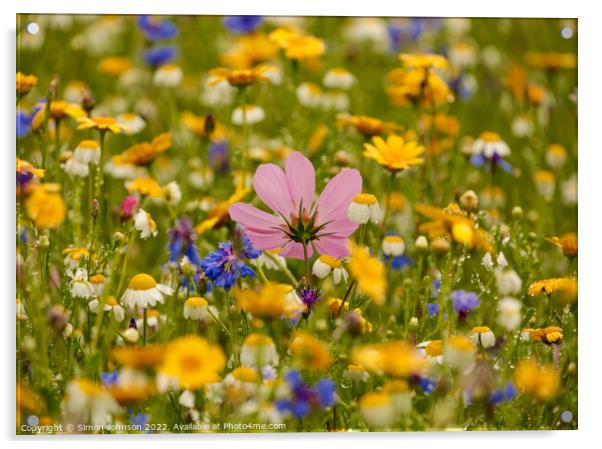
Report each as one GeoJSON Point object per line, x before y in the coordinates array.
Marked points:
{"type": "Point", "coordinates": [142, 281]}
{"type": "Point", "coordinates": [111, 301]}
{"type": "Point", "coordinates": [375, 399]}
{"type": "Point", "coordinates": [330, 261]}
{"type": "Point", "coordinates": [393, 239]}
{"type": "Point", "coordinates": [461, 343]}
{"type": "Point", "coordinates": [258, 340]}
{"type": "Point", "coordinates": [196, 301]}
{"type": "Point", "coordinates": [489, 136]}
{"type": "Point", "coordinates": [88, 145]}
{"type": "Point", "coordinates": [365, 198]}
{"type": "Point", "coordinates": [480, 329]}
{"type": "Point", "coordinates": [245, 374]}
{"type": "Point", "coordinates": [97, 279]}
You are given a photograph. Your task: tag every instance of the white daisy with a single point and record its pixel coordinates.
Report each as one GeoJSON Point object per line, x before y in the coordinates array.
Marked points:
{"type": "Point", "coordinates": [252, 114]}
{"type": "Point", "coordinates": [145, 224]}
{"type": "Point", "coordinates": [325, 264]}
{"type": "Point", "coordinates": [143, 291]}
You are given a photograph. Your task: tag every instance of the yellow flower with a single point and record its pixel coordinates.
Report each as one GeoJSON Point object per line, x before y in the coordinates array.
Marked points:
{"type": "Point", "coordinates": [101, 124]}
{"type": "Point", "coordinates": [452, 222]}
{"type": "Point", "coordinates": [309, 352]}
{"type": "Point", "coordinates": [45, 206]}
{"type": "Point", "coordinates": [394, 154]}
{"type": "Point", "coordinates": [250, 49]}
{"type": "Point", "coordinates": [552, 285]}
{"type": "Point", "coordinates": [548, 335]}
{"type": "Point", "coordinates": [542, 382]}
{"type": "Point", "coordinates": [297, 45]}
{"type": "Point", "coordinates": [139, 356]}
{"type": "Point", "coordinates": [411, 85]}
{"type": "Point", "coordinates": [568, 242]}
{"type": "Point", "coordinates": [269, 302]}
{"type": "Point", "coordinates": [114, 66]}
{"type": "Point", "coordinates": [144, 153]}
{"type": "Point", "coordinates": [368, 126]}
{"type": "Point", "coordinates": [395, 358]}
{"type": "Point", "coordinates": [551, 60]}
{"type": "Point", "coordinates": [241, 77]}
{"type": "Point", "coordinates": [196, 124]}
{"type": "Point", "coordinates": [369, 273]}
{"type": "Point", "coordinates": [424, 61]}
{"type": "Point", "coordinates": [193, 362]}
{"type": "Point", "coordinates": [58, 110]}
{"type": "Point", "coordinates": [146, 187]}
{"type": "Point", "coordinates": [27, 167]}
{"type": "Point", "coordinates": [25, 83]}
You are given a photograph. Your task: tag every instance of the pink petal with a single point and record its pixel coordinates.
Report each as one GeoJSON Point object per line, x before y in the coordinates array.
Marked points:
{"type": "Point", "coordinates": [301, 179]}
{"type": "Point", "coordinates": [340, 228]}
{"type": "Point", "coordinates": [272, 188]}
{"type": "Point", "coordinates": [295, 250]}
{"type": "Point", "coordinates": [337, 195]}
{"type": "Point", "coordinates": [331, 246]}
{"type": "Point", "coordinates": [251, 217]}
{"type": "Point", "coordinates": [266, 239]}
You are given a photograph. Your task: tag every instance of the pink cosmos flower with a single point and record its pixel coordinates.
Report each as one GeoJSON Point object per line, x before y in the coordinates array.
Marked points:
{"type": "Point", "coordinates": [322, 225]}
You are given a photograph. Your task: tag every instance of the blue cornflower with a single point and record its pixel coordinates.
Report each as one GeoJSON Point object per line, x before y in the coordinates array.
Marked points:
{"type": "Point", "coordinates": [309, 296]}
{"type": "Point", "coordinates": [432, 309]}
{"type": "Point", "coordinates": [157, 56]}
{"type": "Point", "coordinates": [139, 420]}
{"type": "Point", "coordinates": [109, 378]}
{"type": "Point", "coordinates": [490, 148]}
{"type": "Point", "coordinates": [218, 156]}
{"type": "Point", "coordinates": [242, 24]}
{"type": "Point", "coordinates": [398, 262]}
{"type": "Point", "coordinates": [181, 242]}
{"type": "Point", "coordinates": [224, 266]}
{"type": "Point", "coordinates": [435, 288]}
{"type": "Point", "coordinates": [156, 29]}
{"type": "Point", "coordinates": [464, 301]}
{"type": "Point", "coordinates": [323, 394]}
{"type": "Point", "coordinates": [463, 85]}
{"type": "Point", "coordinates": [427, 385]}
{"type": "Point", "coordinates": [25, 121]}
{"type": "Point", "coordinates": [502, 395]}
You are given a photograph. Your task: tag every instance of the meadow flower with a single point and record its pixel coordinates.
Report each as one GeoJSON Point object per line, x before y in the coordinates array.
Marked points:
{"type": "Point", "coordinates": [377, 409]}
{"type": "Point", "coordinates": [556, 156]}
{"type": "Point", "coordinates": [156, 28]}
{"type": "Point", "coordinates": [290, 194]}
{"type": "Point", "coordinates": [160, 55]}
{"type": "Point", "coordinates": [309, 297]}
{"type": "Point", "coordinates": [502, 395]}
{"type": "Point", "coordinates": [393, 246]}
{"type": "Point", "coordinates": [548, 335]}
{"type": "Point", "coordinates": [509, 316]}
{"type": "Point", "coordinates": [459, 352]}
{"type": "Point", "coordinates": [102, 124]}
{"type": "Point", "coordinates": [395, 358]}
{"type": "Point", "coordinates": [146, 187]}
{"type": "Point", "coordinates": [508, 281]}
{"type": "Point", "coordinates": [567, 242]}
{"type": "Point", "coordinates": [195, 308]}
{"type": "Point", "coordinates": [309, 95]}
{"type": "Point", "coordinates": [181, 242]}
{"type": "Point", "coordinates": [545, 183]}
{"type": "Point", "coordinates": [25, 172]}
{"type": "Point", "coordinates": [540, 381]}
{"type": "Point", "coordinates": [258, 351]}
{"type": "Point", "coordinates": [271, 301]}
{"type": "Point", "coordinates": [309, 352]}
{"type": "Point", "coordinates": [168, 75]}
{"type": "Point", "coordinates": [80, 287]}
{"type": "Point", "coordinates": [368, 126]}
{"type": "Point", "coordinates": [464, 301]}
{"type": "Point", "coordinates": [45, 206]}
{"type": "Point", "coordinates": [25, 83]}
{"type": "Point", "coordinates": [338, 78]}
{"type": "Point", "coordinates": [88, 402]}
{"type": "Point", "coordinates": [369, 273]}
{"type": "Point", "coordinates": [482, 335]}
{"type": "Point", "coordinates": [227, 264]}
{"type": "Point", "coordinates": [144, 223]}
{"type": "Point", "coordinates": [490, 147]}
{"type": "Point", "coordinates": [364, 208]}
{"type": "Point", "coordinates": [114, 66]}
{"type": "Point", "coordinates": [272, 262]}
{"type": "Point", "coordinates": [146, 152]}
{"type": "Point", "coordinates": [302, 398]}
{"type": "Point", "coordinates": [420, 86]}
{"type": "Point", "coordinates": [242, 24]}
{"type": "Point", "coordinates": [173, 192]}
{"type": "Point", "coordinates": [119, 168]}
{"type": "Point", "coordinates": [248, 113]}
{"type": "Point", "coordinates": [401, 395]}
{"type": "Point", "coordinates": [395, 153]}
{"type": "Point", "coordinates": [131, 122]}
{"type": "Point", "coordinates": [205, 127]}
{"type": "Point", "coordinates": [238, 78]}
{"type": "Point", "coordinates": [549, 286]}
{"type": "Point", "coordinates": [325, 264]}
{"type": "Point", "coordinates": [193, 362]}
{"type": "Point", "coordinates": [143, 292]}
{"type": "Point", "coordinates": [111, 305]}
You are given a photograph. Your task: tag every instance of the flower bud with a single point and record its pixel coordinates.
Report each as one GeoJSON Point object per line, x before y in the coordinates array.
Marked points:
{"type": "Point", "coordinates": [469, 201]}
{"type": "Point", "coordinates": [421, 243]}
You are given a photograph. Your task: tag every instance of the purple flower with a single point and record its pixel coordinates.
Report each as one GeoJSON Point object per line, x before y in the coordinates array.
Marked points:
{"type": "Point", "coordinates": [432, 309]}
{"type": "Point", "coordinates": [502, 395]}
{"type": "Point", "coordinates": [464, 301]}
{"type": "Point", "coordinates": [218, 156]}
{"type": "Point", "coordinates": [309, 296]}
{"type": "Point", "coordinates": [157, 56]}
{"type": "Point", "coordinates": [303, 397]}
{"type": "Point", "coordinates": [181, 242]}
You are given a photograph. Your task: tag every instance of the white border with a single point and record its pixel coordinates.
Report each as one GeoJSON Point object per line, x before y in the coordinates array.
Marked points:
{"type": "Point", "coordinates": [590, 215]}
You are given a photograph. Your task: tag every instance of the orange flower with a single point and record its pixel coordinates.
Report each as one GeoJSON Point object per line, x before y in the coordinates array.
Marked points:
{"type": "Point", "coordinates": [542, 382]}
{"type": "Point", "coordinates": [368, 126]}
{"type": "Point", "coordinates": [144, 153]}
{"type": "Point", "coordinates": [567, 242]}
{"type": "Point", "coordinates": [309, 352]}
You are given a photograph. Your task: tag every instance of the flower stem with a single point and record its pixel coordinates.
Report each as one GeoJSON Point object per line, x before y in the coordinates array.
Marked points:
{"type": "Point", "coordinates": [307, 269]}
{"type": "Point", "coordinates": [144, 324]}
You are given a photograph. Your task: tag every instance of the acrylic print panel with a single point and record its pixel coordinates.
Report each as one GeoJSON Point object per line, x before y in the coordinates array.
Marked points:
{"type": "Point", "coordinates": [292, 224]}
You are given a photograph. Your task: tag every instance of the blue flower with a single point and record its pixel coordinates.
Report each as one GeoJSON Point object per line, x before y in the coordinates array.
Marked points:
{"type": "Point", "coordinates": [464, 301]}
{"type": "Point", "coordinates": [435, 288]}
{"type": "Point", "coordinates": [478, 160]}
{"type": "Point", "coordinates": [156, 29]}
{"type": "Point", "coordinates": [432, 309]}
{"type": "Point", "coordinates": [502, 395]}
{"type": "Point", "coordinates": [398, 262]}
{"type": "Point", "coordinates": [242, 24]}
{"type": "Point", "coordinates": [323, 394]}
{"type": "Point", "coordinates": [139, 420]}
{"type": "Point", "coordinates": [427, 385]}
{"type": "Point", "coordinates": [109, 378]}
{"type": "Point", "coordinates": [157, 56]}
{"type": "Point", "coordinates": [181, 242]}
{"type": "Point", "coordinates": [25, 121]}
{"type": "Point", "coordinates": [325, 390]}
{"type": "Point", "coordinates": [227, 264]}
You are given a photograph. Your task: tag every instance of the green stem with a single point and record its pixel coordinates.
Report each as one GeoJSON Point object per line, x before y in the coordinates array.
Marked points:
{"type": "Point", "coordinates": [144, 325]}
